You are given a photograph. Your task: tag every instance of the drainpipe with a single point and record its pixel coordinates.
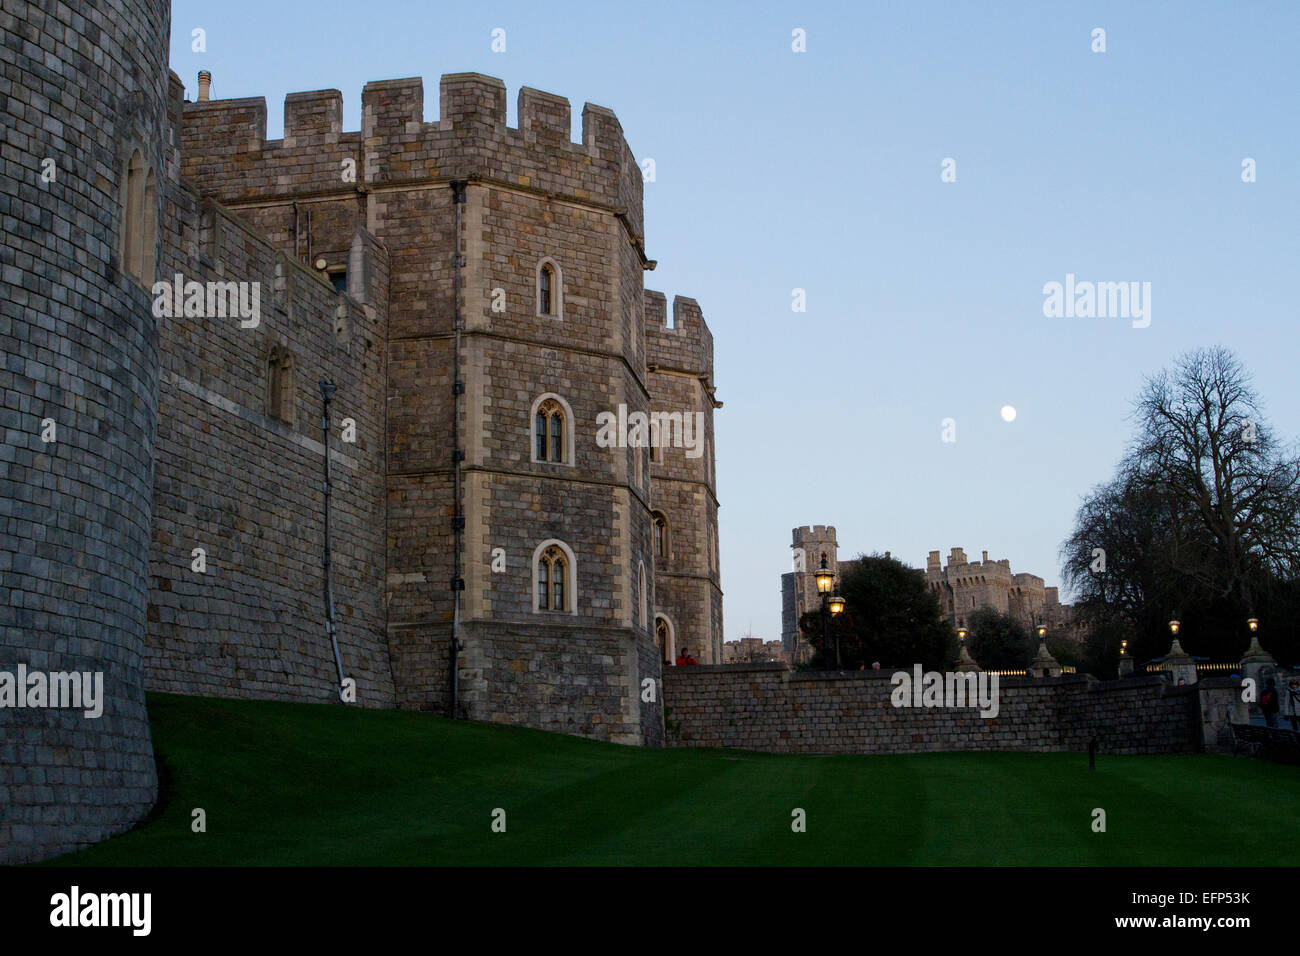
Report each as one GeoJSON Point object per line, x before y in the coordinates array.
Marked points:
{"type": "Point", "coordinates": [457, 455]}
{"type": "Point", "coordinates": [327, 393]}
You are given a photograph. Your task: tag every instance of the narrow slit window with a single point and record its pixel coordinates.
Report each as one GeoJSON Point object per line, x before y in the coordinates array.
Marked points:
{"type": "Point", "coordinates": [545, 292]}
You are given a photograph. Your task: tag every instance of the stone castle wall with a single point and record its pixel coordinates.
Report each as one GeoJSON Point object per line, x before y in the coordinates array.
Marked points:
{"type": "Point", "coordinates": [530, 194]}
{"type": "Point", "coordinates": [84, 87]}
{"type": "Point", "coordinates": [679, 361]}
{"type": "Point", "coordinates": [767, 707]}
{"type": "Point", "coordinates": [245, 482]}
{"type": "Point", "coordinates": [171, 437]}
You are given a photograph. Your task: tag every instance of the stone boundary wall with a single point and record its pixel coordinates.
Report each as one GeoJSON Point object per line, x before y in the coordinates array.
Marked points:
{"type": "Point", "coordinates": [767, 707]}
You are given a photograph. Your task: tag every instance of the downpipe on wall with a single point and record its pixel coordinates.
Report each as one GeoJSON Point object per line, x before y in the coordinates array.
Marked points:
{"type": "Point", "coordinates": [327, 389]}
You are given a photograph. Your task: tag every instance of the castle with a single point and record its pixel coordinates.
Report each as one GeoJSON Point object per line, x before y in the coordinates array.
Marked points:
{"type": "Point", "coordinates": [961, 587]}
{"type": "Point", "coordinates": [326, 411]}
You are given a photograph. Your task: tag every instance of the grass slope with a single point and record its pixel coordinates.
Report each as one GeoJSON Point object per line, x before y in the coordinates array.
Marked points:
{"type": "Point", "coordinates": [299, 784]}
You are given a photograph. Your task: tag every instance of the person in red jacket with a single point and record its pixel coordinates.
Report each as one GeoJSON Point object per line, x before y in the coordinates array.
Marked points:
{"type": "Point", "coordinates": [683, 657]}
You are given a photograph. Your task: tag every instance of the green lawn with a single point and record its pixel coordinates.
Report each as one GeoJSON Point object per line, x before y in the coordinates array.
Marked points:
{"type": "Point", "coordinates": [320, 785]}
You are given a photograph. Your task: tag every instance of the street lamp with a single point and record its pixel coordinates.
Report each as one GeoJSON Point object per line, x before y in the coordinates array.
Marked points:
{"type": "Point", "coordinates": [1174, 625]}
{"type": "Point", "coordinates": [837, 608]}
{"type": "Point", "coordinates": [961, 634]}
{"type": "Point", "coordinates": [1253, 624]}
{"type": "Point", "coordinates": [825, 583]}
{"type": "Point", "coordinates": [825, 578]}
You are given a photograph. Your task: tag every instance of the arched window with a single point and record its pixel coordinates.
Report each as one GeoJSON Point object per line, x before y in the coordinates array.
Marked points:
{"type": "Point", "coordinates": [133, 203]}
{"type": "Point", "coordinates": [643, 617]}
{"type": "Point", "coordinates": [149, 229]}
{"type": "Point", "coordinates": [549, 430]}
{"type": "Point", "coordinates": [554, 578]}
{"type": "Point", "coordinates": [665, 640]}
{"type": "Point", "coordinates": [660, 535]}
{"type": "Point", "coordinates": [550, 289]}
{"type": "Point", "coordinates": [280, 385]}
{"type": "Point", "coordinates": [552, 430]}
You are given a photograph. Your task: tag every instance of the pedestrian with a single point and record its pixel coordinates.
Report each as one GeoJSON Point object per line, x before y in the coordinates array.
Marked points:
{"type": "Point", "coordinates": [1268, 702]}
{"type": "Point", "coordinates": [683, 657]}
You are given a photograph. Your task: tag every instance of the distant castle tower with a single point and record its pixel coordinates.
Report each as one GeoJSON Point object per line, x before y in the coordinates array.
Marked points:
{"type": "Point", "coordinates": [799, 587]}
{"type": "Point", "coordinates": [82, 372]}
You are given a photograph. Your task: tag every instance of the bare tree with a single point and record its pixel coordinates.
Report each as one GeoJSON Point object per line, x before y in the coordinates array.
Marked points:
{"type": "Point", "coordinates": [1202, 442]}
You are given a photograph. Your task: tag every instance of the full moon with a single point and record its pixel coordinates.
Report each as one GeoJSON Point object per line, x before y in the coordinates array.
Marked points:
{"type": "Point", "coordinates": [1008, 413]}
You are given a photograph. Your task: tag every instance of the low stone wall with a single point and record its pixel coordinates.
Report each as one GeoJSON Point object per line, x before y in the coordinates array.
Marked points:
{"type": "Point", "coordinates": [767, 707]}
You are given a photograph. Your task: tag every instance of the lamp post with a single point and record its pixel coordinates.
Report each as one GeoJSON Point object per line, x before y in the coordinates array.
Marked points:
{"type": "Point", "coordinates": [1125, 660]}
{"type": "Point", "coordinates": [1044, 664]}
{"type": "Point", "coordinates": [1174, 625]}
{"type": "Point", "coordinates": [965, 663]}
{"type": "Point", "coordinates": [837, 607]}
{"type": "Point", "coordinates": [825, 582]}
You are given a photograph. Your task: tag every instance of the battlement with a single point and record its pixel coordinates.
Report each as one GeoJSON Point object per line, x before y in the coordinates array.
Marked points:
{"type": "Point", "coordinates": [315, 114]}
{"type": "Point", "coordinates": [226, 152]}
{"type": "Point", "coordinates": [687, 345]}
{"type": "Point", "coordinates": [818, 533]}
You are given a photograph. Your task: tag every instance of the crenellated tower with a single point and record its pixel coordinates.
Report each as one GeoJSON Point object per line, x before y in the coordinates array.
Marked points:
{"type": "Point", "coordinates": [520, 576]}
{"type": "Point", "coordinates": [809, 544]}
{"type": "Point", "coordinates": [679, 362]}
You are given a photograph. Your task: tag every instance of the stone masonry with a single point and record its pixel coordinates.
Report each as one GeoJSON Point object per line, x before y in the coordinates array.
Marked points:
{"type": "Point", "coordinates": [531, 196]}
{"type": "Point", "coordinates": [174, 536]}
{"type": "Point", "coordinates": [768, 707]}
{"type": "Point", "coordinates": [679, 361]}
{"type": "Point", "coordinates": [245, 483]}
{"type": "Point", "coordinates": [84, 92]}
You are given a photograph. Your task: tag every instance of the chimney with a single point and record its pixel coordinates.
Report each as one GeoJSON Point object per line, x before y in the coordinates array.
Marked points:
{"type": "Point", "coordinates": [205, 86]}
{"type": "Point", "coordinates": [986, 557]}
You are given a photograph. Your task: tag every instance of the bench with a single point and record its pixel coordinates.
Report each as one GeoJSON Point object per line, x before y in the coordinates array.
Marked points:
{"type": "Point", "coordinates": [1274, 742]}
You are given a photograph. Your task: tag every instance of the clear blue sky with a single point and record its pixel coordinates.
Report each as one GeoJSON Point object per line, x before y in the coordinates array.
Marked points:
{"type": "Point", "coordinates": [821, 170]}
